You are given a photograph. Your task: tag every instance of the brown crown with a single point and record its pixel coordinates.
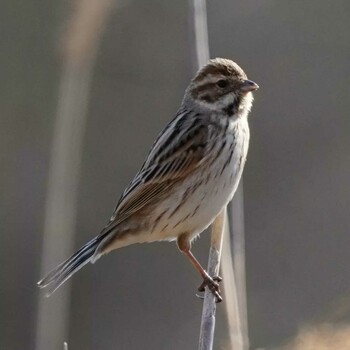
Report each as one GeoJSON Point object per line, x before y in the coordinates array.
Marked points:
{"type": "Point", "coordinates": [220, 66]}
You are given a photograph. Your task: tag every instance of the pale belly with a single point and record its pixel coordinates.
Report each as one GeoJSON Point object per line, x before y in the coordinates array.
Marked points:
{"type": "Point", "coordinates": [200, 209]}
{"type": "Point", "coordinates": [213, 189]}
{"type": "Point", "coordinates": [193, 204]}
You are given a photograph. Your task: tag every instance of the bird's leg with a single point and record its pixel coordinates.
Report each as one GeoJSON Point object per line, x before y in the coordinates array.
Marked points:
{"type": "Point", "coordinates": [208, 281]}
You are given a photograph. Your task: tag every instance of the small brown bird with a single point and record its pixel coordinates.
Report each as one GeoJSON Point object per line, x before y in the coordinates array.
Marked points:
{"type": "Point", "coordinates": [190, 174]}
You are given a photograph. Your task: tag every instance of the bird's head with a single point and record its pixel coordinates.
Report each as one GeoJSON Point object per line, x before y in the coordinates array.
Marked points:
{"type": "Point", "coordinates": [221, 85]}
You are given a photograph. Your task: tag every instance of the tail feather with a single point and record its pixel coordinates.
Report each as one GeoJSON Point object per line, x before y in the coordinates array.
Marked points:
{"type": "Point", "coordinates": [65, 270]}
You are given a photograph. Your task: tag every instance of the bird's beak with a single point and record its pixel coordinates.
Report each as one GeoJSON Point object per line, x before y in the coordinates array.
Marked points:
{"type": "Point", "coordinates": [248, 86]}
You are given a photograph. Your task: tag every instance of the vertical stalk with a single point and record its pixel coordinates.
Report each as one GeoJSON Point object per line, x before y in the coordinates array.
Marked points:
{"type": "Point", "coordinates": [207, 329]}
{"type": "Point", "coordinates": [236, 244]}
{"type": "Point", "coordinates": [60, 218]}
{"type": "Point", "coordinates": [231, 297]}
{"type": "Point", "coordinates": [233, 255]}
{"type": "Point", "coordinates": [200, 32]}
{"type": "Point", "coordinates": [79, 50]}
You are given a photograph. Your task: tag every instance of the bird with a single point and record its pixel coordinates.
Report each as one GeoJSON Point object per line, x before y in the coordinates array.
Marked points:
{"type": "Point", "coordinates": [188, 177]}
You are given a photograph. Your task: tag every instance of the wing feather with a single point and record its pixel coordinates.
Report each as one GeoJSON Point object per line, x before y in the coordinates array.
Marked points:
{"type": "Point", "coordinates": [169, 161]}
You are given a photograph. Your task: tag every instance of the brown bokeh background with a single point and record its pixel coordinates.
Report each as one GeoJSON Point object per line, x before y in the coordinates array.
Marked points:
{"type": "Point", "coordinates": [296, 182]}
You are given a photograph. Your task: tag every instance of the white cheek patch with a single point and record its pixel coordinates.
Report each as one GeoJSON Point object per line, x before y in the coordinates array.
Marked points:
{"type": "Point", "coordinates": [219, 104]}
{"type": "Point", "coordinates": [226, 100]}
{"type": "Point", "coordinates": [206, 105]}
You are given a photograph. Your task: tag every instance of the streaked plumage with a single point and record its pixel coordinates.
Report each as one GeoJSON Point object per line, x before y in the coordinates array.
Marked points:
{"type": "Point", "coordinates": [189, 175]}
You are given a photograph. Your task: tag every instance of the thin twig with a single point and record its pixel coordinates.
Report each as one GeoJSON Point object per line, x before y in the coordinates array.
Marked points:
{"type": "Point", "coordinates": [234, 289]}
{"type": "Point", "coordinates": [206, 336]}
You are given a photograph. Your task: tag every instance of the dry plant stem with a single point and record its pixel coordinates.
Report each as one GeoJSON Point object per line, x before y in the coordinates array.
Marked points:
{"type": "Point", "coordinates": [206, 336]}
{"type": "Point", "coordinates": [237, 304]}
{"type": "Point", "coordinates": [201, 32]}
{"type": "Point", "coordinates": [236, 241]}
{"type": "Point", "coordinates": [236, 338]}
{"type": "Point", "coordinates": [79, 49]}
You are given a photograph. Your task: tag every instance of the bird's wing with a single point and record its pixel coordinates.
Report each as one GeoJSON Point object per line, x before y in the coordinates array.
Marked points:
{"type": "Point", "coordinates": [178, 151]}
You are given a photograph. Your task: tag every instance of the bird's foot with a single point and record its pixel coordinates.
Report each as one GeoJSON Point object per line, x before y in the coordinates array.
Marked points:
{"type": "Point", "coordinates": [213, 285]}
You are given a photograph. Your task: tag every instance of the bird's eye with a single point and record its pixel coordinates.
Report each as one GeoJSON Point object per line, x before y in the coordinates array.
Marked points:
{"type": "Point", "coordinates": [222, 83]}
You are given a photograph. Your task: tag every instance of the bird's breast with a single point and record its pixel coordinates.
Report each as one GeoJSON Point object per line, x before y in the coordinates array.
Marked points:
{"type": "Point", "coordinates": [196, 201]}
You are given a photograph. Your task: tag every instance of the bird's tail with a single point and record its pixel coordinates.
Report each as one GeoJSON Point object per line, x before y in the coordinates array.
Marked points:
{"type": "Point", "coordinates": [62, 272]}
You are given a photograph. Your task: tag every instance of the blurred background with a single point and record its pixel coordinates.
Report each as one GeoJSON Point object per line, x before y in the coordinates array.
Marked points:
{"type": "Point", "coordinates": [99, 80]}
